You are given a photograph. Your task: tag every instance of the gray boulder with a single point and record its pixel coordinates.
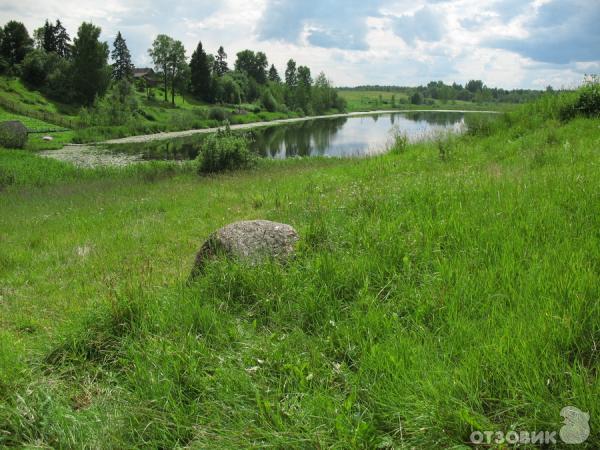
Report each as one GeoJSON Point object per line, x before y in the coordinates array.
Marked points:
{"type": "Point", "coordinates": [13, 134]}
{"type": "Point", "coordinates": [251, 241]}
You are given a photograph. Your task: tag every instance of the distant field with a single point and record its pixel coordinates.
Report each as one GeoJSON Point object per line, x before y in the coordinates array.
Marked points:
{"type": "Point", "coordinates": [372, 100]}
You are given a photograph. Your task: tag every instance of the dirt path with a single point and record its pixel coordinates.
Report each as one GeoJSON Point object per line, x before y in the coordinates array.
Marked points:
{"type": "Point", "coordinates": [178, 134]}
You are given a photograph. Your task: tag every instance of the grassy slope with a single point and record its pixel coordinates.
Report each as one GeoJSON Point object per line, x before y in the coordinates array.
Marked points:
{"type": "Point", "coordinates": [429, 298]}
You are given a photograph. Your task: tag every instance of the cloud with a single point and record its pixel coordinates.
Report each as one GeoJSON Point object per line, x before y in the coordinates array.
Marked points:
{"type": "Point", "coordinates": [507, 43]}
{"type": "Point", "coordinates": [561, 32]}
{"type": "Point", "coordinates": [426, 25]}
{"type": "Point", "coordinates": [325, 23]}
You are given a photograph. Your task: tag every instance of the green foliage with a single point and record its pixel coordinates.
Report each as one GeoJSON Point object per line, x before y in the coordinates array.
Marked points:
{"type": "Point", "coordinates": [399, 142]}
{"type": "Point", "coordinates": [91, 73]}
{"type": "Point", "coordinates": [220, 66]}
{"type": "Point", "coordinates": [201, 83]}
{"type": "Point", "coordinates": [417, 98]}
{"type": "Point", "coordinates": [122, 68]}
{"type": "Point", "coordinates": [588, 99]}
{"type": "Point", "coordinates": [15, 43]}
{"type": "Point", "coordinates": [480, 124]}
{"type": "Point", "coordinates": [117, 108]}
{"type": "Point", "coordinates": [218, 113]}
{"type": "Point", "coordinates": [223, 151]}
{"type": "Point", "coordinates": [253, 64]}
{"type": "Point", "coordinates": [13, 134]}
{"type": "Point", "coordinates": [268, 101]}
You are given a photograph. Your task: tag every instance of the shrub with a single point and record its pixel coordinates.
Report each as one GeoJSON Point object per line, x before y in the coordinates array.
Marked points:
{"type": "Point", "coordinates": [269, 101]}
{"type": "Point", "coordinates": [417, 98]}
{"type": "Point", "coordinates": [588, 102]}
{"type": "Point", "coordinates": [225, 150]}
{"type": "Point", "coordinates": [217, 113]}
{"type": "Point", "coordinates": [399, 140]}
{"type": "Point", "coordinates": [480, 124]}
{"type": "Point", "coordinates": [13, 134]}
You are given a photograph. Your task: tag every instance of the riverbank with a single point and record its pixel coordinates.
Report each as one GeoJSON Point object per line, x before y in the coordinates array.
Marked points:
{"type": "Point", "coordinates": [248, 126]}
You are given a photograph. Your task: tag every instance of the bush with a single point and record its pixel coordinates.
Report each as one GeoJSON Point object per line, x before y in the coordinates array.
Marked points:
{"type": "Point", "coordinates": [13, 134]}
{"type": "Point", "coordinates": [417, 98]}
{"type": "Point", "coordinates": [480, 124]}
{"type": "Point", "coordinates": [225, 150]}
{"type": "Point", "coordinates": [217, 113]}
{"type": "Point", "coordinates": [269, 101]}
{"type": "Point", "coordinates": [588, 102]}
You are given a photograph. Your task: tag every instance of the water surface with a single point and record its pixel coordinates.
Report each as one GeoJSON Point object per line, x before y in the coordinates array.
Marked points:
{"type": "Point", "coordinates": [351, 136]}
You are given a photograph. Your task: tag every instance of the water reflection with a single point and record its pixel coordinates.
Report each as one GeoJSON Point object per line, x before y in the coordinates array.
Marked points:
{"type": "Point", "coordinates": [350, 136]}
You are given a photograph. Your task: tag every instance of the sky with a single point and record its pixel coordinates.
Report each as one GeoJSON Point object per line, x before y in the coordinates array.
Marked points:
{"type": "Point", "coordinates": [505, 43]}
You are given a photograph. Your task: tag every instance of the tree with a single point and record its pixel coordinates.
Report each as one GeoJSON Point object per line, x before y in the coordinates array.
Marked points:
{"type": "Point", "coordinates": [122, 67]}
{"type": "Point", "coordinates": [291, 74]}
{"type": "Point", "coordinates": [62, 39]}
{"type": "Point", "coordinates": [303, 90]}
{"type": "Point", "coordinates": [91, 73]}
{"type": "Point", "coordinates": [417, 98]}
{"type": "Point", "coordinates": [177, 66]}
{"type": "Point", "coordinates": [16, 43]}
{"type": "Point", "coordinates": [160, 54]}
{"type": "Point", "coordinates": [45, 37]}
{"type": "Point", "coordinates": [33, 70]}
{"type": "Point", "coordinates": [474, 86]}
{"type": "Point", "coordinates": [201, 82]}
{"type": "Point", "coordinates": [221, 62]}
{"type": "Point", "coordinates": [253, 64]}
{"type": "Point", "coordinates": [274, 75]}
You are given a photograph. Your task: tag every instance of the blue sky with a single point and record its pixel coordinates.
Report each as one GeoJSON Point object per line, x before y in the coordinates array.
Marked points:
{"type": "Point", "coordinates": [506, 43]}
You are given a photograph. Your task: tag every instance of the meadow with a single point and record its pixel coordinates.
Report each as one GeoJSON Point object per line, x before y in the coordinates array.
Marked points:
{"type": "Point", "coordinates": [445, 287]}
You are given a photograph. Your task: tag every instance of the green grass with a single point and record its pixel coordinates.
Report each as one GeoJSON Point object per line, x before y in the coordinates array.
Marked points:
{"type": "Point", "coordinates": [366, 100]}
{"type": "Point", "coordinates": [449, 287]}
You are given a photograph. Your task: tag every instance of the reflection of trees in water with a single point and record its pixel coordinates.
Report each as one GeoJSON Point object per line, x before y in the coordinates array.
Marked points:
{"type": "Point", "coordinates": [297, 139]}
{"type": "Point", "coordinates": [435, 117]}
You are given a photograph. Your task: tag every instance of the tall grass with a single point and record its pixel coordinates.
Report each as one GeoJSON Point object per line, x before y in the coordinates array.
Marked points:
{"type": "Point", "coordinates": [430, 297]}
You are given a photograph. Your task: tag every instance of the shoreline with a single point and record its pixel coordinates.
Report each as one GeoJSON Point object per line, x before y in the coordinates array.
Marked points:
{"type": "Point", "coordinates": [246, 126]}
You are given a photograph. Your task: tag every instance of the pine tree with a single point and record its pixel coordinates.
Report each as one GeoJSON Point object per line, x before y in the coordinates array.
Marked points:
{"type": "Point", "coordinates": [62, 40]}
{"type": "Point", "coordinates": [201, 82]}
{"type": "Point", "coordinates": [48, 37]}
{"type": "Point", "coordinates": [290, 73]}
{"type": "Point", "coordinates": [221, 62]}
{"type": "Point", "coordinates": [122, 67]}
{"type": "Point", "coordinates": [274, 75]}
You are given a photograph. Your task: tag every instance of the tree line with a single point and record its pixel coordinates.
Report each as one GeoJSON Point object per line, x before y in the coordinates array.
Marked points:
{"type": "Point", "coordinates": [78, 70]}
{"type": "Point", "coordinates": [472, 91]}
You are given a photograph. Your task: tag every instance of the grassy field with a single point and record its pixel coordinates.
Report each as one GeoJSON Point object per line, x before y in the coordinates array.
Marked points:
{"type": "Point", "coordinates": [366, 100]}
{"type": "Point", "coordinates": [449, 287]}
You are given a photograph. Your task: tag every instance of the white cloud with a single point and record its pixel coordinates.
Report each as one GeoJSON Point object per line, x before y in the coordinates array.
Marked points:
{"type": "Point", "coordinates": [404, 42]}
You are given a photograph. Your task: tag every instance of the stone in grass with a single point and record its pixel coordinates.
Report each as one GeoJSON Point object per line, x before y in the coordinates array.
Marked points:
{"type": "Point", "coordinates": [13, 134]}
{"type": "Point", "coordinates": [47, 138]}
{"type": "Point", "coordinates": [251, 241]}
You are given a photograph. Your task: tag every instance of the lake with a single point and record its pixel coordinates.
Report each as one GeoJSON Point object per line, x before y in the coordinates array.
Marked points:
{"type": "Point", "coordinates": [351, 136]}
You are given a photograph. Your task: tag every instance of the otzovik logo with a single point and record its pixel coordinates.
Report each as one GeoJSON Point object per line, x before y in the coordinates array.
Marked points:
{"type": "Point", "coordinates": [576, 430]}
{"type": "Point", "coordinates": [576, 427]}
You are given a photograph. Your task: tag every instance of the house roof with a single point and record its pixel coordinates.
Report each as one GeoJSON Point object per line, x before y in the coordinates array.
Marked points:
{"type": "Point", "coordinates": [142, 71]}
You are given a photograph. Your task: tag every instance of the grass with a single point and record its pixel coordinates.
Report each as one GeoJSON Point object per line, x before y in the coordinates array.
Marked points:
{"type": "Point", "coordinates": [449, 287]}
{"type": "Point", "coordinates": [367, 100]}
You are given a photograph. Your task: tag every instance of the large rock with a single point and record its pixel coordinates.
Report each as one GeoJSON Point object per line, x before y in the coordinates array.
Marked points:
{"type": "Point", "coordinates": [250, 241]}
{"type": "Point", "coordinates": [13, 134]}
